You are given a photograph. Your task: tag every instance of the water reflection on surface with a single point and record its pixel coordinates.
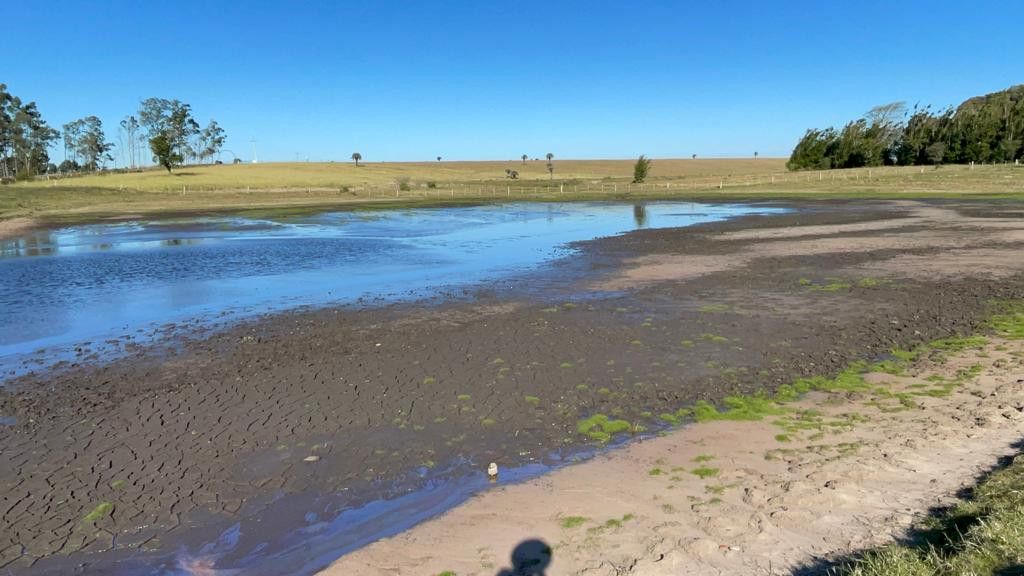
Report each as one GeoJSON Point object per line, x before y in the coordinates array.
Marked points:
{"type": "Point", "coordinates": [65, 286]}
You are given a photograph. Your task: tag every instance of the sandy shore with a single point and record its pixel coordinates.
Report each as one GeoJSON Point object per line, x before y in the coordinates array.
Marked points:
{"type": "Point", "coordinates": [270, 430]}
{"type": "Point", "coordinates": [730, 497]}
{"type": "Point", "coordinates": [14, 226]}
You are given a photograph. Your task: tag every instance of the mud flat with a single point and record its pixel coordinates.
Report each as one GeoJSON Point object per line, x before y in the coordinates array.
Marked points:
{"type": "Point", "coordinates": [242, 449]}
{"type": "Point", "coordinates": [853, 471]}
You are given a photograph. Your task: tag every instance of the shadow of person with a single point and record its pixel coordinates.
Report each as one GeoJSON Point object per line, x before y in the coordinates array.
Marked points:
{"type": "Point", "coordinates": [529, 558]}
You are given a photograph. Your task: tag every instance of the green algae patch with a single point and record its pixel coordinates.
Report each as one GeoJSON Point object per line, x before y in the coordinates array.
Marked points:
{"type": "Point", "coordinates": [739, 408]}
{"type": "Point", "coordinates": [601, 428]}
{"type": "Point", "coordinates": [101, 510]}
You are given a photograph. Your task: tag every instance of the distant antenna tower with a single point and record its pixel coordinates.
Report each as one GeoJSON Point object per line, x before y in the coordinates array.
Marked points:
{"type": "Point", "coordinates": [255, 158]}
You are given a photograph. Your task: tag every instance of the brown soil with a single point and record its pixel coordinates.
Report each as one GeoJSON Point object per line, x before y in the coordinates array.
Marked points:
{"type": "Point", "coordinates": [186, 441]}
{"type": "Point", "coordinates": [15, 226]}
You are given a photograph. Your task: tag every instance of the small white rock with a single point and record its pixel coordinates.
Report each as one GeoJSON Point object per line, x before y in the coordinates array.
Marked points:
{"type": "Point", "coordinates": [492, 470]}
{"type": "Point", "coordinates": [311, 459]}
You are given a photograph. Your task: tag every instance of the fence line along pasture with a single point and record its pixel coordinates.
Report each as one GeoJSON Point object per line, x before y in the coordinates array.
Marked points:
{"type": "Point", "coordinates": [510, 189]}
{"type": "Point", "coordinates": [523, 189]}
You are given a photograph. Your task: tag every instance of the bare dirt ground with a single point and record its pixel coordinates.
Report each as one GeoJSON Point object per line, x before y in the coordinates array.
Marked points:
{"type": "Point", "coordinates": [278, 426]}
{"type": "Point", "coordinates": [729, 498]}
{"type": "Point", "coordinates": [14, 226]}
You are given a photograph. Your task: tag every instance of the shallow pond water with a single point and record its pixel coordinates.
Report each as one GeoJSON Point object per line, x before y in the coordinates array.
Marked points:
{"type": "Point", "coordinates": [63, 287]}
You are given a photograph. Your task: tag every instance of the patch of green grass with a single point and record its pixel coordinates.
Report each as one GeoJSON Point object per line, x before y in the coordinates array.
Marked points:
{"type": "Point", "coordinates": [708, 337]}
{"type": "Point", "coordinates": [117, 484]}
{"type": "Point", "coordinates": [707, 308]}
{"type": "Point", "coordinates": [488, 422]}
{"type": "Point", "coordinates": [687, 344]}
{"type": "Point", "coordinates": [570, 522]}
{"type": "Point", "coordinates": [447, 573]}
{"type": "Point", "coordinates": [601, 428]}
{"type": "Point", "coordinates": [955, 344]}
{"type": "Point", "coordinates": [565, 365]}
{"type": "Point", "coordinates": [834, 285]}
{"type": "Point", "coordinates": [783, 438]}
{"type": "Point", "coordinates": [748, 408]}
{"type": "Point", "coordinates": [462, 397]}
{"type": "Point", "coordinates": [532, 400]}
{"type": "Point", "coordinates": [849, 380]}
{"type": "Point", "coordinates": [705, 472]}
{"type": "Point", "coordinates": [804, 282]}
{"type": "Point", "coordinates": [100, 511]}
{"type": "Point", "coordinates": [717, 489]}
{"type": "Point", "coordinates": [669, 417]}
{"type": "Point", "coordinates": [429, 380]}
{"type": "Point", "coordinates": [1008, 322]}
{"type": "Point", "coordinates": [868, 282]}
{"type": "Point", "coordinates": [655, 472]}
{"type": "Point", "coordinates": [703, 458]}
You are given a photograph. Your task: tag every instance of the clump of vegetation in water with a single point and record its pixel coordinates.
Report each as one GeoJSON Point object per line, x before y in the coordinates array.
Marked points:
{"type": "Point", "coordinates": [601, 428]}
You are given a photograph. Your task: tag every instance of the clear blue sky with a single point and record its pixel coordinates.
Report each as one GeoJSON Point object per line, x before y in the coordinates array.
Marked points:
{"type": "Point", "coordinates": [470, 79]}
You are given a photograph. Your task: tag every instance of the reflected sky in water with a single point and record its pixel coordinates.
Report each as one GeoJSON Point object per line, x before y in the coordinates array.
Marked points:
{"type": "Point", "coordinates": [87, 283]}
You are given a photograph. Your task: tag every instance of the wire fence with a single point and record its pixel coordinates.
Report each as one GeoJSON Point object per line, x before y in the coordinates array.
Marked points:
{"type": "Point", "coordinates": [553, 188]}
{"type": "Point", "coordinates": [404, 188]}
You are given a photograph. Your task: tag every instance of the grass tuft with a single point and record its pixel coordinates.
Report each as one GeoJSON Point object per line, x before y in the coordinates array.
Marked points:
{"type": "Point", "coordinates": [569, 522]}
{"type": "Point", "coordinates": [100, 511]}
{"type": "Point", "coordinates": [601, 428]}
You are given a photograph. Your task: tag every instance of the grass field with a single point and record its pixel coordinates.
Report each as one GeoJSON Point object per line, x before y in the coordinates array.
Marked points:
{"type": "Point", "coordinates": [308, 186]}
{"type": "Point", "coordinates": [289, 175]}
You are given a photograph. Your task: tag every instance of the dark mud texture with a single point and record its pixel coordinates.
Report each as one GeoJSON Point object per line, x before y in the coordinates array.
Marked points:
{"type": "Point", "coordinates": [167, 448]}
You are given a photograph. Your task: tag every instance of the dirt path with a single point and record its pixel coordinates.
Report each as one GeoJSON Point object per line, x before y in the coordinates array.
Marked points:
{"type": "Point", "coordinates": [730, 498]}
{"type": "Point", "coordinates": [306, 415]}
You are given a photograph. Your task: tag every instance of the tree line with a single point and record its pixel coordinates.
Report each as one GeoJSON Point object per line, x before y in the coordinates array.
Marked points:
{"type": "Point", "coordinates": [983, 129]}
{"type": "Point", "coordinates": [162, 130]}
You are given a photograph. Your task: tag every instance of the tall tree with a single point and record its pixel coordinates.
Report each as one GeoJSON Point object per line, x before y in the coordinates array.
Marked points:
{"type": "Point", "coordinates": [982, 129]}
{"type": "Point", "coordinates": [6, 126]}
{"type": "Point", "coordinates": [357, 157]}
{"type": "Point", "coordinates": [90, 143]}
{"type": "Point", "coordinates": [640, 169]}
{"type": "Point", "coordinates": [72, 133]}
{"type": "Point", "coordinates": [171, 119]}
{"type": "Point", "coordinates": [212, 138]}
{"type": "Point", "coordinates": [164, 151]}
{"type": "Point", "coordinates": [524, 157]}
{"type": "Point", "coordinates": [130, 126]}
{"type": "Point", "coordinates": [24, 137]}
{"type": "Point", "coordinates": [549, 156]}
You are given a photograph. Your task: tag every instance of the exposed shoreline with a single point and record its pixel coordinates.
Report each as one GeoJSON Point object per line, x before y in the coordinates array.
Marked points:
{"type": "Point", "coordinates": [728, 497]}
{"type": "Point", "coordinates": [504, 377]}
